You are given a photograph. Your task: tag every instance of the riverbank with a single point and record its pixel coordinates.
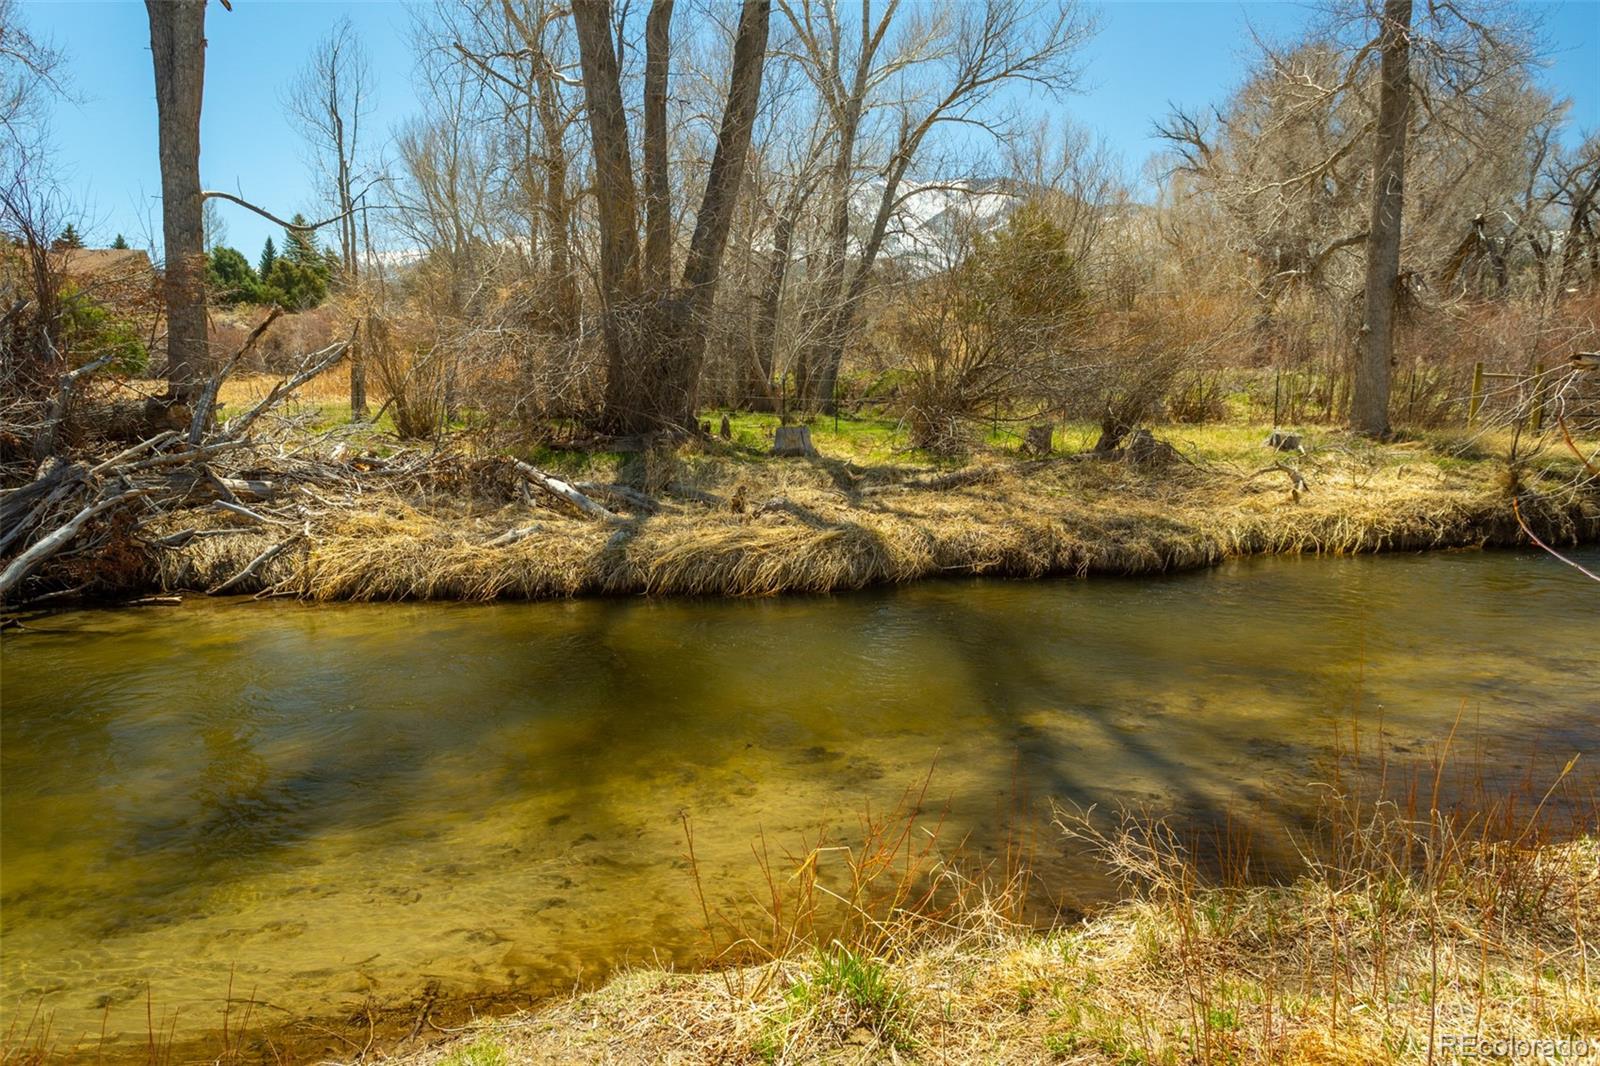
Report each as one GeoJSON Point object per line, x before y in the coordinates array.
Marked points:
{"type": "Point", "coordinates": [1362, 963]}
{"type": "Point", "coordinates": [723, 519]}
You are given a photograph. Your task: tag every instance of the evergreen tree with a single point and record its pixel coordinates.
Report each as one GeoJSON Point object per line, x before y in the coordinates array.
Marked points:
{"type": "Point", "coordinates": [230, 278]}
{"type": "Point", "coordinates": [300, 246]}
{"type": "Point", "coordinates": [120, 244]}
{"type": "Point", "coordinates": [269, 255]}
{"type": "Point", "coordinates": [299, 277]}
{"type": "Point", "coordinates": [296, 287]}
{"type": "Point", "coordinates": [69, 238]}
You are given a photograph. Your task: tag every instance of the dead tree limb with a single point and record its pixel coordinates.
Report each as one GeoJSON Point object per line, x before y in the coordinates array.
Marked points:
{"type": "Point", "coordinates": [245, 512]}
{"type": "Point", "coordinates": [560, 489]}
{"type": "Point", "coordinates": [46, 442]}
{"type": "Point", "coordinates": [254, 565]}
{"type": "Point", "coordinates": [307, 227]}
{"type": "Point", "coordinates": [1297, 483]}
{"type": "Point", "coordinates": [511, 536]}
{"type": "Point", "coordinates": [208, 396]}
{"type": "Point", "coordinates": [315, 364]}
{"type": "Point", "coordinates": [58, 538]}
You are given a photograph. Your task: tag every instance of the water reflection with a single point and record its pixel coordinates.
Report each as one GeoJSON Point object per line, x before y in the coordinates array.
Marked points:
{"type": "Point", "coordinates": [338, 800]}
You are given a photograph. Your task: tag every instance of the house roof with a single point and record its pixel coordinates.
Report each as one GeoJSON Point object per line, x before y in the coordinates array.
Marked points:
{"type": "Point", "coordinates": [104, 264]}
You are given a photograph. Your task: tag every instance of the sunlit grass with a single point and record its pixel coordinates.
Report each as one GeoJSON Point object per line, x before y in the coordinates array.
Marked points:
{"type": "Point", "coordinates": [1404, 929]}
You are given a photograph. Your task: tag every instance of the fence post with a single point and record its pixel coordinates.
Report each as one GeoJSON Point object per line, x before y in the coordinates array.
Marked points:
{"type": "Point", "coordinates": [1538, 397]}
{"type": "Point", "coordinates": [1476, 401]}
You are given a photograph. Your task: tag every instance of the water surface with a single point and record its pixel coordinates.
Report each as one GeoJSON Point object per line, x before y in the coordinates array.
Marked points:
{"type": "Point", "coordinates": [326, 802]}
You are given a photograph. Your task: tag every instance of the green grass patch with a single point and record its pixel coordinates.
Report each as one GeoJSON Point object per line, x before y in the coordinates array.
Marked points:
{"type": "Point", "coordinates": [484, 1051]}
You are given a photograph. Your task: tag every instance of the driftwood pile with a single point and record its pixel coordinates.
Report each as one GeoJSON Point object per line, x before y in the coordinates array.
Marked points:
{"type": "Point", "coordinates": [251, 473]}
{"type": "Point", "coordinates": [76, 506]}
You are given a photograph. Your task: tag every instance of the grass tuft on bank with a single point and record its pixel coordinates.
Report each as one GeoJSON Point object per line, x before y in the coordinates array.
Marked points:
{"type": "Point", "coordinates": [1402, 935]}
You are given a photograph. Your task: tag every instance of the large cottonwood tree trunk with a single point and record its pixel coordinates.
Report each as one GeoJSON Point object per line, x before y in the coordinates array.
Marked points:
{"type": "Point", "coordinates": [177, 46]}
{"type": "Point", "coordinates": [1369, 400]}
{"type": "Point", "coordinates": [655, 334]}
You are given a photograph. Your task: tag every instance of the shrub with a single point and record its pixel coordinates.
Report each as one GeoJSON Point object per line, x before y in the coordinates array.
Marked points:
{"type": "Point", "coordinates": [987, 334]}
{"type": "Point", "coordinates": [89, 330]}
{"type": "Point", "coordinates": [231, 279]}
{"type": "Point", "coordinates": [297, 286]}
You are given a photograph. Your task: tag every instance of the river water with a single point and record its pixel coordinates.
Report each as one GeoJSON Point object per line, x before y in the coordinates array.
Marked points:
{"type": "Point", "coordinates": [322, 803]}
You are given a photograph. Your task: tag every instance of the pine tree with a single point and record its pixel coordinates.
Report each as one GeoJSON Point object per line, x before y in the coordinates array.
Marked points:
{"type": "Point", "coordinates": [230, 278]}
{"type": "Point", "coordinates": [299, 246]}
{"type": "Point", "coordinates": [269, 255]}
{"type": "Point", "coordinates": [69, 238]}
{"type": "Point", "coordinates": [120, 244]}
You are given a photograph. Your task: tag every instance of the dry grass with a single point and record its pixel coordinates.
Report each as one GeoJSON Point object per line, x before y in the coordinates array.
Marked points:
{"type": "Point", "coordinates": [825, 525]}
{"type": "Point", "coordinates": [1401, 936]}
{"type": "Point", "coordinates": [331, 389]}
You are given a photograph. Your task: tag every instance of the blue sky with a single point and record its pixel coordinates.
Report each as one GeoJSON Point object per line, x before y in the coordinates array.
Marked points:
{"type": "Point", "coordinates": [1147, 54]}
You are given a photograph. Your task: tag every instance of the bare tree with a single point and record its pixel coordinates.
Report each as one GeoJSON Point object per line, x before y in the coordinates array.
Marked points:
{"type": "Point", "coordinates": [32, 209]}
{"type": "Point", "coordinates": [332, 97]}
{"type": "Point", "coordinates": [655, 336]}
{"type": "Point", "coordinates": [898, 79]}
{"type": "Point", "coordinates": [30, 72]}
{"type": "Point", "coordinates": [177, 47]}
{"type": "Point", "coordinates": [1369, 400]}
{"type": "Point", "coordinates": [521, 54]}
{"type": "Point", "coordinates": [1320, 185]}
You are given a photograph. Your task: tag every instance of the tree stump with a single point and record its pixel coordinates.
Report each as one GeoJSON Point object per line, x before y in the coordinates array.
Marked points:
{"type": "Point", "coordinates": [726, 432]}
{"type": "Point", "coordinates": [1144, 449]}
{"type": "Point", "coordinates": [1036, 441]}
{"type": "Point", "coordinates": [1285, 442]}
{"type": "Point", "coordinates": [792, 440]}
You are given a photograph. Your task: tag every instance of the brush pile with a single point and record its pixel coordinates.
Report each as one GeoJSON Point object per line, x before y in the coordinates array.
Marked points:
{"type": "Point", "coordinates": [89, 513]}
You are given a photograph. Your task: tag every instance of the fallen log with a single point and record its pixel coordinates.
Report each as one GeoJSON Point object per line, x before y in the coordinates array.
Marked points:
{"type": "Point", "coordinates": [563, 491]}
{"type": "Point", "coordinates": [20, 501]}
{"type": "Point", "coordinates": [155, 601]}
{"type": "Point", "coordinates": [245, 488]}
{"type": "Point", "coordinates": [511, 536]}
{"type": "Point", "coordinates": [630, 496]}
{"type": "Point", "coordinates": [58, 538]}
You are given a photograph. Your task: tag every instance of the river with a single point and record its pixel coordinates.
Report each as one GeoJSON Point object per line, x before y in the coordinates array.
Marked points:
{"type": "Point", "coordinates": [318, 803]}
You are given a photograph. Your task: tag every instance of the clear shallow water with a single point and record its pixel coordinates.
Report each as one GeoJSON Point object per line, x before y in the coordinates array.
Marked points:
{"type": "Point", "coordinates": [332, 801]}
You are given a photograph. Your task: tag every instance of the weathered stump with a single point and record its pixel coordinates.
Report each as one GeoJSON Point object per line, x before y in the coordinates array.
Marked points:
{"type": "Point", "coordinates": [1036, 441]}
{"type": "Point", "coordinates": [1144, 449]}
{"type": "Point", "coordinates": [792, 440]}
{"type": "Point", "coordinates": [1285, 442]}
{"type": "Point", "coordinates": [726, 432]}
